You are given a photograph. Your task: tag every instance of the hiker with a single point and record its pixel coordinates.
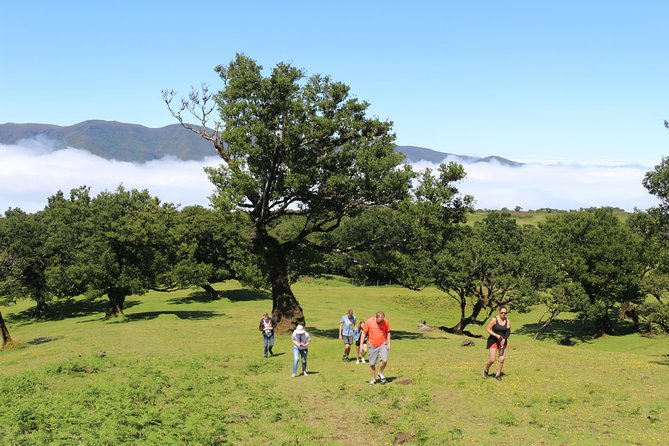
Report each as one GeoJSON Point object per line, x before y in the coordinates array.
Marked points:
{"type": "Point", "coordinates": [377, 331]}
{"type": "Point", "coordinates": [499, 328]}
{"type": "Point", "coordinates": [360, 350]}
{"type": "Point", "coordinates": [301, 340]}
{"type": "Point", "coordinates": [266, 326]}
{"type": "Point", "coordinates": [346, 329]}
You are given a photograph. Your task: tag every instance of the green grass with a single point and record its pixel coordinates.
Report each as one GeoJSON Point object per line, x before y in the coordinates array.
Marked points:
{"type": "Point", "coordinates": [534, 217]}
{"type": "Point", "coordinates": [179, 369]}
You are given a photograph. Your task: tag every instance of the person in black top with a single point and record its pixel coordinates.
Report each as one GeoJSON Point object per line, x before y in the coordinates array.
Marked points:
{"type": "Point", "coordinates": [499, 328]}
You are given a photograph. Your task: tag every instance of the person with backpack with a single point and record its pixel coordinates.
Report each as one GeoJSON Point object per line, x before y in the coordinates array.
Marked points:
{"type": "Point", "coordinates": [360, 350]}
{"type": "Point", "coordinates": [266, 326]}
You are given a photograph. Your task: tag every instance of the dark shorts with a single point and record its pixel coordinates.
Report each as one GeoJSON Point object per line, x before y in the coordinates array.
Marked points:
{"type": "Point", "coordinates": [493, 342]}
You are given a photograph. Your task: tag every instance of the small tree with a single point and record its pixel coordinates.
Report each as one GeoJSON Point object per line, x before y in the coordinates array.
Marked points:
{"type": "Point", "coordinates": [213, 247]}
{"type": "Point", "coordinates": [490, 264]}
{"type": "Point", "coordinates": [293, 147]}
{"type": "Point", "coordinates": [599, 253]}
{"type": "Point", "coordinates": [131, 247]}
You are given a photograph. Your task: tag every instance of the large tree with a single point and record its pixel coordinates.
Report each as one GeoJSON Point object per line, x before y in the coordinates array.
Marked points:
{"type": "Point", "coordinates": [293, 147]}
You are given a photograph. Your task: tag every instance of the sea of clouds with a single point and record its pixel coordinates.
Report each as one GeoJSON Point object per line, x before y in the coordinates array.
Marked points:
{"type": "Point", "coordinates": [32, 170]}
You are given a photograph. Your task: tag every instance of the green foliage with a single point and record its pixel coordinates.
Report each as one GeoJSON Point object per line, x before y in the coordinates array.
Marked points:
{"type": "Point", "coordinates": [599, 254]}
{"type": "Point", "coordinates": [293, 146]}
{"type": "Point", "coordinates": [492, 263]}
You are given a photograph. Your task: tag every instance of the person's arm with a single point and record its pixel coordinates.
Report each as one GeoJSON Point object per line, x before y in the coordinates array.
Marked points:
{"type": "Point", "coordinates": [308, 340]}
{"type": "Point", "coordinates": [294, 341]}
{"type": "Point", "coordinates": [388, 340]}
{"type": "Point", "coordinates": [341, 327]}
{"type": "Point", "coordinates": [508, 330]}
{"type": "Point", "coordinates": [363, 335]}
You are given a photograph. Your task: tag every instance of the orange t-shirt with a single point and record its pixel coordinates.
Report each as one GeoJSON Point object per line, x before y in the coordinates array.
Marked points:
{"type": "Point", "coordinates": [377, 333]}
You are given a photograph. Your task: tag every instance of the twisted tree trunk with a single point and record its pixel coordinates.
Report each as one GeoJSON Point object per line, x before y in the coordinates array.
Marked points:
{"type": "Point", "coordinates": [286, 310]}
{"type": "Point", "coordinates": [116, 300]}
{"type": "Point", "coordinates": [6, 338]}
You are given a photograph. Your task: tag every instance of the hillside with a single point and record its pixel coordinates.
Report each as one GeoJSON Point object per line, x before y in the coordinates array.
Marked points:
{"type": "Point", "coordinates": [180, 369]}
{"type": "Point", "coordinates": [133, 142]}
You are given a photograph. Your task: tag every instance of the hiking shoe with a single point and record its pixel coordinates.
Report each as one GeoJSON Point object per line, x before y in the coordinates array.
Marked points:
{"type": "Point", "coordinates": [498, 377]}
{"type": "Point", "coordinates": [372, 382]}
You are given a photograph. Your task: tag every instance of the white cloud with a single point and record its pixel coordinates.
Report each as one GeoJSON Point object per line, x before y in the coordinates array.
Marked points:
{"type": "Point", "coordinates": [557, 186]}
{"type": "Point", "coordinates": [31, 171]}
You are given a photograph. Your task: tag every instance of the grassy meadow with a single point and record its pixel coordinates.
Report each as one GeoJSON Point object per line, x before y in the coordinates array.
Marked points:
{"type": "Point", "coordinates": [180, 369]}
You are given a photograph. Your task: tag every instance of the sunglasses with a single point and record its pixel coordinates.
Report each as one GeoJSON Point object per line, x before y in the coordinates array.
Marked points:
{"type": "Point", "coordinates": [502, 312]}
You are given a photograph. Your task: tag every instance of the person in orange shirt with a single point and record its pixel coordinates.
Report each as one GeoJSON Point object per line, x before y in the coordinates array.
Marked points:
{"type": "Point", "coordinates": [377, 332]}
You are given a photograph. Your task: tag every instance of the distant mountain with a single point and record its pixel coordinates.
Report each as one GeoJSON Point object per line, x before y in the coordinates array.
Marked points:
{"type": "Point", "coordinates": [136, 143]}
{"type": "Point", "coordinates": [416, 154]}
{"type": "Point", "coordinates": [115, 140]}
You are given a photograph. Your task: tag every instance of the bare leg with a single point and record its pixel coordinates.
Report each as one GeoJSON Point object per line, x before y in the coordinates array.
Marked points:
{"type": "Point", "coordinates": [500, 363]}
{"type": "Point", "coordinates": [492, 353]}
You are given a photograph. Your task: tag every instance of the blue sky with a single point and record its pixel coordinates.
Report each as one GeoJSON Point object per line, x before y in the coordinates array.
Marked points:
{"type": "Point", "coordinates": [568, 86]}
{"type": "Point", "coordinates": [580, 81]}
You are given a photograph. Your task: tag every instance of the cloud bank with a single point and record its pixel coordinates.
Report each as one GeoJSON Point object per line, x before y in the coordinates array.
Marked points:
{"type": "Point", "coordinates": [31, 171]}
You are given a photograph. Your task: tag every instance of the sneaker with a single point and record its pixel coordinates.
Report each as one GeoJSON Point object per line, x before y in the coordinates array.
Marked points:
{"type": "Point", "coordinates": [372, 382]}
{"type": "Point", "coordinates": [304, 373]}
{"type": "Point", "coordinates": [293, 375]}
{"type": "Point", "coordinates": [485, 373]}
{"type": "Point", "coordinates": [362, 360]}
{"type": "Point", "coordinates": [357, 362]}
{"type": "Point", "coordinates": [382, 378]}
{"type": "Point", "coordinates": [498, 377]}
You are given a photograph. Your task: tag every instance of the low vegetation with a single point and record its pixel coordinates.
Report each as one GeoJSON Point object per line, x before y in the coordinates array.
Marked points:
{"type": "Point", "coordinates": [181, 368]}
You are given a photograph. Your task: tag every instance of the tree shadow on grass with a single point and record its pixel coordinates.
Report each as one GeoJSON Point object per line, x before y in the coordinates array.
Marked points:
{"type": "Point", "coordinates": [67, 308]}
{"type": "Point", "coordinates": [194, 297]}
{"type": "Point", "coordinates": [184, 315]}
{"type": "Point", "coordinates": [245, 295]}
{"type": "Point", "coordinates": [663, 361]}
{"type": "Point", "coordinates": [43, 340]}
{"type": "Point", "coordinates": [561, 331]}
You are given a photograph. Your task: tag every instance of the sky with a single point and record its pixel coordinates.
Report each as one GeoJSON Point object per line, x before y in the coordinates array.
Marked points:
{"type": "Point", "coordinates": [577, 89]}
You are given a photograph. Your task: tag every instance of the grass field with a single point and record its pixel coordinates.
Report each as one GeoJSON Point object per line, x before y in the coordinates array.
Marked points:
{"type": "Point", "coordinates": [179, 369]}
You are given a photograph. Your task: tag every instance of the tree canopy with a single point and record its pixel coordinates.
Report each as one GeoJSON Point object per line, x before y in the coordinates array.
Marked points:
{"type": "Point", "coordinates": [293, 147]}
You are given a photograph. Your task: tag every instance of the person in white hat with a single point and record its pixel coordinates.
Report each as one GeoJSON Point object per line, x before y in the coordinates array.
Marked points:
{"type": "Point", "coordinates": [301, 340]}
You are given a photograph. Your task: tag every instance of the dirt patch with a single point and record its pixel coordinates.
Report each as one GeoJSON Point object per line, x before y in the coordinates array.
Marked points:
{"type": "Point", "coordinates": [405, 382]}
{"type": "Point", "coordinates": [403, 437]}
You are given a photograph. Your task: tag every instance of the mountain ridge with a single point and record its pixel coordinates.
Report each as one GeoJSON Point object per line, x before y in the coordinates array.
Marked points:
{"type": "Point", "coordinates": [137, 143]}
